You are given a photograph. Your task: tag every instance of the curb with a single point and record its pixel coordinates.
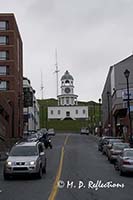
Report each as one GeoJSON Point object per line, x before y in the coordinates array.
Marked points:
{"type": "Point", "coordinates": [95, 137]}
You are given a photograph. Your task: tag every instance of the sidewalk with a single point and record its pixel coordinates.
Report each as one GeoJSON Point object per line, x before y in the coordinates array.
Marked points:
{"type": "Point", "coordinates": [95, 137]}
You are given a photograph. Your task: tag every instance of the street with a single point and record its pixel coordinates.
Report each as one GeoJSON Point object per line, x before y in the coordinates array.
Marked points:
{"type": "Point", "coordinates": [76, 168]}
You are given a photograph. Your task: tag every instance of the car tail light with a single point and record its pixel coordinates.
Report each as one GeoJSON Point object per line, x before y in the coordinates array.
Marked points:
{"type": "Point", "coordinates": [126, 162]}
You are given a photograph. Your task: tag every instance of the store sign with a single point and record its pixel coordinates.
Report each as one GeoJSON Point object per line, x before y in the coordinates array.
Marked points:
{"type": "Point", "coordinates": [125, 94]}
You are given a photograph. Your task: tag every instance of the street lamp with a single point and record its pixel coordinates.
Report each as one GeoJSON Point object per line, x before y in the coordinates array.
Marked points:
{"type": "Point", "coordinates": [127, 73]}
{"type": "Point", "coordinates": [100, 123]}
{"type": "Point", "coordinates": [100, 111]}
{"type": "Point", "coordinates": [109, 120]}
{"type": "Point", "coordinates": [94, 117]}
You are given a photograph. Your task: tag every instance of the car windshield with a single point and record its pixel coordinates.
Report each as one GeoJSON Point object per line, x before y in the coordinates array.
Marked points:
{"type": "Point", "coordinates": [23, 151]}
{"type": "Point", "coordinates": [120, 146]}
{"type": "Point", "coordinates": [128, 153]}
{"type": "Point", "coordinates": [33, 136]}
{"type": "Point", "coordinates": [114, 141]}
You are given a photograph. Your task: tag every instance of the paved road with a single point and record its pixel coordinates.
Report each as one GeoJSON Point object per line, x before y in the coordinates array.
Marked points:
{"type": "Point", "coordinates": [82, 164]}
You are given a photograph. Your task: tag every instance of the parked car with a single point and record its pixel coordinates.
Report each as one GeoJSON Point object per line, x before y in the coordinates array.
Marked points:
{"type": "Point", "coordinates": [124, 161]}
{"type": "Point", "coordinates": [108, 144]}
{"type": "Point", "coordinates": [102, 141]}
{"type": "Point", "coordinates": [116, 150]}
{"type": "Point", "coordinates": [51, 132]}
{"type": "Point", "coordinates": [84, 130]}
{"type": "Point", "coordinates": [33, 137]}
{"type": "Point", "coordinates": [26, 158]}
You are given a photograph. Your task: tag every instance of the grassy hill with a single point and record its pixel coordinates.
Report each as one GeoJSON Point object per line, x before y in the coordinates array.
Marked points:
{"type": "Point", "coordinates": [68, 125]}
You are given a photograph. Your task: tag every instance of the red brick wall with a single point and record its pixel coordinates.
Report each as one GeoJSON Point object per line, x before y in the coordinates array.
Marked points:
{"type": "Point", "coordinates": [15, 77]}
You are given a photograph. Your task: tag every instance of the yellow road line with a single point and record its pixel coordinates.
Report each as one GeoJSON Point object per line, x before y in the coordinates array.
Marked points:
{"type": "Point", "coordinates": [55, 185]}
{"type": "Point", "coordinates": [65, 140]}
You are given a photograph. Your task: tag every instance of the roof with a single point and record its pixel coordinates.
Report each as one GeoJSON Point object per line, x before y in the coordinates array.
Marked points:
{"type": "Point", "coordinates": [124, 60]}
{"type": "Point", "coordinates": [67, 76]}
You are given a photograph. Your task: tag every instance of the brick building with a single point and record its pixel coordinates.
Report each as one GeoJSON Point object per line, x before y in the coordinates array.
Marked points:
{"type": "Point", "coordinates": [11, 76]}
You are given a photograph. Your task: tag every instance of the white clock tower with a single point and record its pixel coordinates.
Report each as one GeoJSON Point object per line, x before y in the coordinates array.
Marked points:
{"type": "Point", "coordinates": [67, 97]}
{"type": "Point", "coordinates": [68, 108]}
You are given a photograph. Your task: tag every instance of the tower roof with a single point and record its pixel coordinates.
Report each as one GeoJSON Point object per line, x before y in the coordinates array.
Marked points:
{"type": "Point", "coordinates": [67, 75]}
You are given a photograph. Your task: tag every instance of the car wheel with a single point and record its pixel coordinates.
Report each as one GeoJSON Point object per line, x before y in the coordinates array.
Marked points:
{"type": "Point", "coordinates": [39, 174]}
{"type": "Point", "coordinates": [111, 161]}
{"type": "Point", "coordinates": [121, 173]}
{"type": "Point", "coordinates": [116, 167]}
{"type": "Point", "coordinates": [44, 169]}
{"type": "Point", "coordinates": [6, 176]}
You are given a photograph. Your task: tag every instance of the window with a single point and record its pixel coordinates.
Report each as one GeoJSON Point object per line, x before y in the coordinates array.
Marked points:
{"type": "Point", "coordinates": [3, 85]}
{"type": "Point", "coordinates": [3, 55]}
{"type": "Point", "coordinates": [84, 112]}
{"type": "Point", "coordinates": [67, 100]}
{"type": "Point", "coordinates": [68, 114]}
{"type": "Point", "coordinates": [3, 25]}
{"type": "Point", "coordinates": [58, 112]}
{"type": "Point", "coordinates": [52, 112]}
{"type": "Point", "coordinates": [23, 151]}
{"type": "Point", "coordinates": [67, 81]}
{"type": "Point", "coordinates": [3, 70]}
{"type": "Point", "coordinates": [76, 112]}
{"type": "Point", "coordinates": [3, 40]}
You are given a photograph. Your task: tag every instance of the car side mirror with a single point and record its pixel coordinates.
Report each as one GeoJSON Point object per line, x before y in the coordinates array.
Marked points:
{"type": "Point", "coordinates": [7, 154]}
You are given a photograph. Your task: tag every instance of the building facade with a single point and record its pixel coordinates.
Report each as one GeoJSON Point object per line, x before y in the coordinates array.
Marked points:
{"type": "Point", "coordinates": [31, 107]}
{"type": "Point", "coordinates": [5, 117]}
{"type": "Point", "coordinates": [11, 73]}
{"type": "Point", "coordinates": [67, 102]}
{"type": "Point", "coordinates": [114, 97]}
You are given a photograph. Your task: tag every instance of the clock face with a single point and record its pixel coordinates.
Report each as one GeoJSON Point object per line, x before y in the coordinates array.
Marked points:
{"type": "Point", "coordinates": [67, 90]}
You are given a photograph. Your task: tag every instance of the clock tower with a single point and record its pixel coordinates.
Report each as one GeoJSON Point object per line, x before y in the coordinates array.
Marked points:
{"type": "Point", "coordinates": [68, 108]}
{"type": "Point", "coordinates": [67, 97]}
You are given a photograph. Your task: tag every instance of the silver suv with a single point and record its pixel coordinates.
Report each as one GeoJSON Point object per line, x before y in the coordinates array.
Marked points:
{"type": "Point", "coordinates": [26, 158]}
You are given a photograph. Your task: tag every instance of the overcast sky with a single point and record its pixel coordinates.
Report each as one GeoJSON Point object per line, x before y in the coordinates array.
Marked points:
{"type": "Point", "coordinates": [90, 36]}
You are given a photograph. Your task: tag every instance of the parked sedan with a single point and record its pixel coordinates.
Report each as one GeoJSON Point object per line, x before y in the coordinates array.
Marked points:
{"type": "Point", "coordinates": [108, 145]}
{"type": "Point", "coordinates": [103, 141]}
{"type": "Point", "coordinates": [116, 150]}
{"type": "Point", "coordinates": [124, 161]}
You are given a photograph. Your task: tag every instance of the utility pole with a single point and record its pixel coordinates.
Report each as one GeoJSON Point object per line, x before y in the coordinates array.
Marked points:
{"type": "Point", "coordinates": [57, 72]}
{"type": "Point", "coordinates": [42, 87]}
